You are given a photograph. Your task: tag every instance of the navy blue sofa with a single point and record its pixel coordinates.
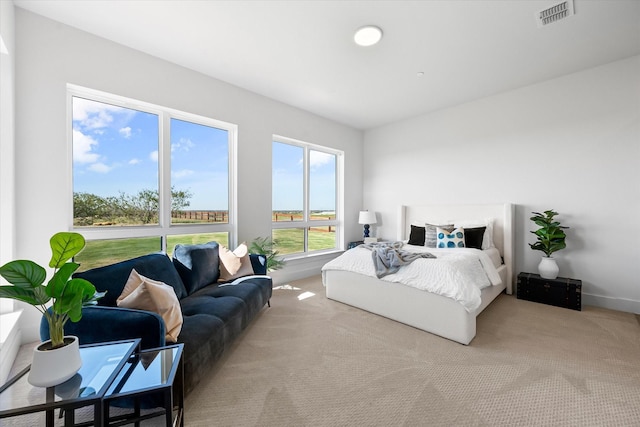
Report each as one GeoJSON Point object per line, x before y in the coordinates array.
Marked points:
{"type": "Point", "coordinates": [213, 315]}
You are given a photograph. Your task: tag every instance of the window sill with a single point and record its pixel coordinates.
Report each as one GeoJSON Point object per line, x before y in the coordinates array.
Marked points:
{"type": "Point", "coordinates": [10, 338]}
{"type": "Point", "coordinates": [314, 255]}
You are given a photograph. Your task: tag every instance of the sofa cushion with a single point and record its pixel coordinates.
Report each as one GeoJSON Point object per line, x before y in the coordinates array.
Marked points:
{"type": "Point", "coordinates": [255, 292]}
{"type": "Point", "coordinates": [234, 264]}
{"type": "Point", "coordinates": [227, 308]}
{"type": "Point", "coordinates": [198, 265]}
{"type": "Point", "coordinates": [112, 278]}
{"type": "Point", "coordinates": [145, 294]}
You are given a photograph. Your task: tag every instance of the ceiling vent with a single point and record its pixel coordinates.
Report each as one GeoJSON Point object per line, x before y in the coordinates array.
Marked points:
{"type": "Point", "coordinates": [555, 13]}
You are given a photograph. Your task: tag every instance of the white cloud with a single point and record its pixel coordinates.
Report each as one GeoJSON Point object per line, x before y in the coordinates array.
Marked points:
{"type": "Point", "coordinates": [317, 158]}
{"type": "Point", "coordinates": [154, 155]}
{"type": "Point", "coordinates": [93, 115]}
{"type": "Point", "coordinates": [126, 132]}
{"type": "Point", "coordinates": [83, 146]}
{"type": "Point", "coordinates": [134, 161]}
{"type": "Point", "coordinates": [99, 167]}
{"type": "Point", "coordinates": [185, 144]}
{"type": "Point", "coordinates": [182, 173]}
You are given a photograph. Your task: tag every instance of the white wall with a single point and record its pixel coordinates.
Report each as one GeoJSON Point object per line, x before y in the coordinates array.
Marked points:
{"type": "Point", "coordinates": [10, 333]}
{"type": "Point", "coordinates": [7, 140]}
{"type": "Point", "coordinates": [571, 144]}
{"type": "Point", "coordinates": [50, 55]}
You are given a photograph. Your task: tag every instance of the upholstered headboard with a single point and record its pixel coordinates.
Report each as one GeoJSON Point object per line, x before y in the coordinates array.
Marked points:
{"type": "Point", "coordinates": [502, 215]}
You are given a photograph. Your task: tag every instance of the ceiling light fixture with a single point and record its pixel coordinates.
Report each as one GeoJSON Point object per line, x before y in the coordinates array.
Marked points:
{"type": "Point", "coordinates": [368, 35]}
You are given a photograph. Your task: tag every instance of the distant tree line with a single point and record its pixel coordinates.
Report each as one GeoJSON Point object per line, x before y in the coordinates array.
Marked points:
{"type": "Point", "coordinates": [139, 208]}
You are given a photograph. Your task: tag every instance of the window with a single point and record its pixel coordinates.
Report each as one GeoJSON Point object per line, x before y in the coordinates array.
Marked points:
{"type": "Point", "coordinates": [146, 178]}
{"type": "Point", "coordinates": [305, 197]}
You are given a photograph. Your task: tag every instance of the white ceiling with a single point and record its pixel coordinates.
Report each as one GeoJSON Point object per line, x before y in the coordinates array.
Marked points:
{"type": "Point", "coordinates": [302, 52]}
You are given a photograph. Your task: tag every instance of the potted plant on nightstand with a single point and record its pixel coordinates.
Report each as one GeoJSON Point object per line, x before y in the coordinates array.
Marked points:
{"type": "Point", "coordinates": [58, 359]}
{"type": "Point", "coordinates": [551, 238]}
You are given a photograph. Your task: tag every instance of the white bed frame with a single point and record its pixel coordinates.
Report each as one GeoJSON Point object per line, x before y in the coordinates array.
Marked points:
{"type": "Point", "coordinates": [424, 310]}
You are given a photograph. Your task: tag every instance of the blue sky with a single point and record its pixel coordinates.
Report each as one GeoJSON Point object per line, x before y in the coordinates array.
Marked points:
{"type": "Point", "coordinates": [287, 179]}
{"type": "Point", "coordinates": [115, 150]}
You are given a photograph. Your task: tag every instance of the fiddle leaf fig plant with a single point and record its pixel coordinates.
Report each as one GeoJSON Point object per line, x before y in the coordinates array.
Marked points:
{"type": "Point", "coordinates": [551, 237]}
{"type": "Point", "coordinates": [68, 295]}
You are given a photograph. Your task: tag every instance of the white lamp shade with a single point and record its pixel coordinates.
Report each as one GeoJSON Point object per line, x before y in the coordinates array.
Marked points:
{"type": "Point", "coordinates": [367, 217]}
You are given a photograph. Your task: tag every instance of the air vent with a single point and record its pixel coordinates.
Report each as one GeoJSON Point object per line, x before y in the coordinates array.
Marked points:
{"type": "Point", "coordinates": [555, 13]}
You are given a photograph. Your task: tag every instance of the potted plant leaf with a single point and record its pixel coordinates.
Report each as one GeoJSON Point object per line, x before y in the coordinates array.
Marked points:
{"type": "Point", "coordinates": [68, 296]}
{"type": "Point", "coordinates": [264, 246]}
{"type": "Point", "coordinates": [550, 239]}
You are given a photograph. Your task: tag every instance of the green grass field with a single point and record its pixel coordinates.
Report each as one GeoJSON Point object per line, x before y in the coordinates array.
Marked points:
{"type": "Point", "coordinates": [103, 252]}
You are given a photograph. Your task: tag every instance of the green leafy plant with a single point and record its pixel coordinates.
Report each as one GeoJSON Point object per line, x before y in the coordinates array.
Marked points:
{"type": "Point", "coordinates": [264, 246]}
{"type": "Point", "coordinates": [551, 237]}
{"type": "Point", "coordinates": [69, 295]}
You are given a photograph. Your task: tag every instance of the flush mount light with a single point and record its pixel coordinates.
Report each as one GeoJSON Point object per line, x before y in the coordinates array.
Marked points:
{"type": "Point", "coordinates": [368, 35]}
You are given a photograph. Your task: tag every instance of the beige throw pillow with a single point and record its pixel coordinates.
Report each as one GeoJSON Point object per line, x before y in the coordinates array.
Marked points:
{"type": "Point", "coordinates": [234, 264]}
{"type": "Point", "coordinates": [143, 293]}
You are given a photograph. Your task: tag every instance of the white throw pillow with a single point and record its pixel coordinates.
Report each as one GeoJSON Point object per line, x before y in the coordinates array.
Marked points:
{"type": "Point", "coordinates": [234, 264]}
{"type": "Point", "coordinates": [143, 293]}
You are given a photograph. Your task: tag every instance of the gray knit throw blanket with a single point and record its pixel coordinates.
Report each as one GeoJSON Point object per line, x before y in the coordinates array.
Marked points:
{"type": "Point", "coordinates": [388, 257]}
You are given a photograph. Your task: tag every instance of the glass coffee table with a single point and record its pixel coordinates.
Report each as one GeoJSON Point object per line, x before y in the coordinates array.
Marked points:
{"type": "Point", "coordinates": [152, 379]}
{"type": "Point", "coordinates": [101, 364]}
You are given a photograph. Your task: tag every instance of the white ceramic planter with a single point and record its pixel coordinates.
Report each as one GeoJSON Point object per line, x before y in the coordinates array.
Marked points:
{"type": "Point", "coordinates": [53, 367]}
{"type": "Point", "coordinates": [548, 268]}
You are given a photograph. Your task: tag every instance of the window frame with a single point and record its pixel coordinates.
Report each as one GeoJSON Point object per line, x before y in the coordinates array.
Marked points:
{"type": "Point", "coordinates": [164, 227]}
{"type": "Point", "coordinates": [306, 222]}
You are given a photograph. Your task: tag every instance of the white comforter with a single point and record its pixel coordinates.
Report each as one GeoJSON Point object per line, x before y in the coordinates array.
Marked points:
{"type": "Point", "coordinates": [455, 273]}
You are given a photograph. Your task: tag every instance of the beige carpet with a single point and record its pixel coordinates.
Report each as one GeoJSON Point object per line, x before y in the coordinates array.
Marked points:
{"type": "Point", "coordinates": [310, 361]}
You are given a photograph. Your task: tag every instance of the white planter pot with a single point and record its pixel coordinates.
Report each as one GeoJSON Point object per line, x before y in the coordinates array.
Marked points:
{"type": "Point", "coordinates": [548, 268]}
{"type": "Point", "coordinates": [53, 367]}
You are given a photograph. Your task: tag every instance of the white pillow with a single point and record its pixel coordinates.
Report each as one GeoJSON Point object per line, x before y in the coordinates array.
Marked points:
{"type": "Point", "coordinates": [143, 293]}
{"type": "Point", "coordinates": [487, 239]}
{"type": "Point", "coordinates": [234, 264]}
{"type": "Point", "coordinates": [450, 239]}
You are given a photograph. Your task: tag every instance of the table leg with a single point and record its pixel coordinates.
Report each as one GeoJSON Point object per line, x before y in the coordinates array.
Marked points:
{"type": "Point", "coordinates": [168, 406]}
{"type": "Point", "coordinates": [50, 413]}
{"type": "Point", "coordinates": [178, 390]}
{"type": "Point", "coordinates": [69, 417]}
{"type": "Point", "coordinates": [98, 415]}
{"type": "Point", "coordinates": [136, 411]}
{"type": "Point", "coordinates": [50, 417]}
{"type": "Point", "coordinates": [105, 413]}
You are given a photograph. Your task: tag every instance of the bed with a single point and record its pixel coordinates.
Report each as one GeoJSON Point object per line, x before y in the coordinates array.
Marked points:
{"type": "Point", "coordinates": [424, 310]}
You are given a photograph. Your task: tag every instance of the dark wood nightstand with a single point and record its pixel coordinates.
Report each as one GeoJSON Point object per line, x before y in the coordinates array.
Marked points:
{"type": "Point", "coordinates": [561, 292]}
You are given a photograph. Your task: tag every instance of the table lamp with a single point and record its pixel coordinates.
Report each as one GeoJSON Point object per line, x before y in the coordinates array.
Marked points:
{"type": "Point", "coordinates": [366, 218]}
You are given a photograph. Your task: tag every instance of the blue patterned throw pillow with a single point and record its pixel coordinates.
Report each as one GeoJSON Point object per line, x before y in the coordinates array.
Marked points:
{"type": "Point", "coordinates": [450, 239]}
{"type": "Point", "coordinates": [431, 233]}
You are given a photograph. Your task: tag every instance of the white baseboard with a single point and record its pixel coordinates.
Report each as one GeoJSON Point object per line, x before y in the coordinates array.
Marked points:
{"type": "Point", "coordinates": [619, 304]}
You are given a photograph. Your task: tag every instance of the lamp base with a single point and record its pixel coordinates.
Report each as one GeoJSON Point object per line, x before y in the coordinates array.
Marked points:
{"type": "Point", "coordinates": [371, 240]}
{"type": "Point", "coordinates": [366, 230]}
